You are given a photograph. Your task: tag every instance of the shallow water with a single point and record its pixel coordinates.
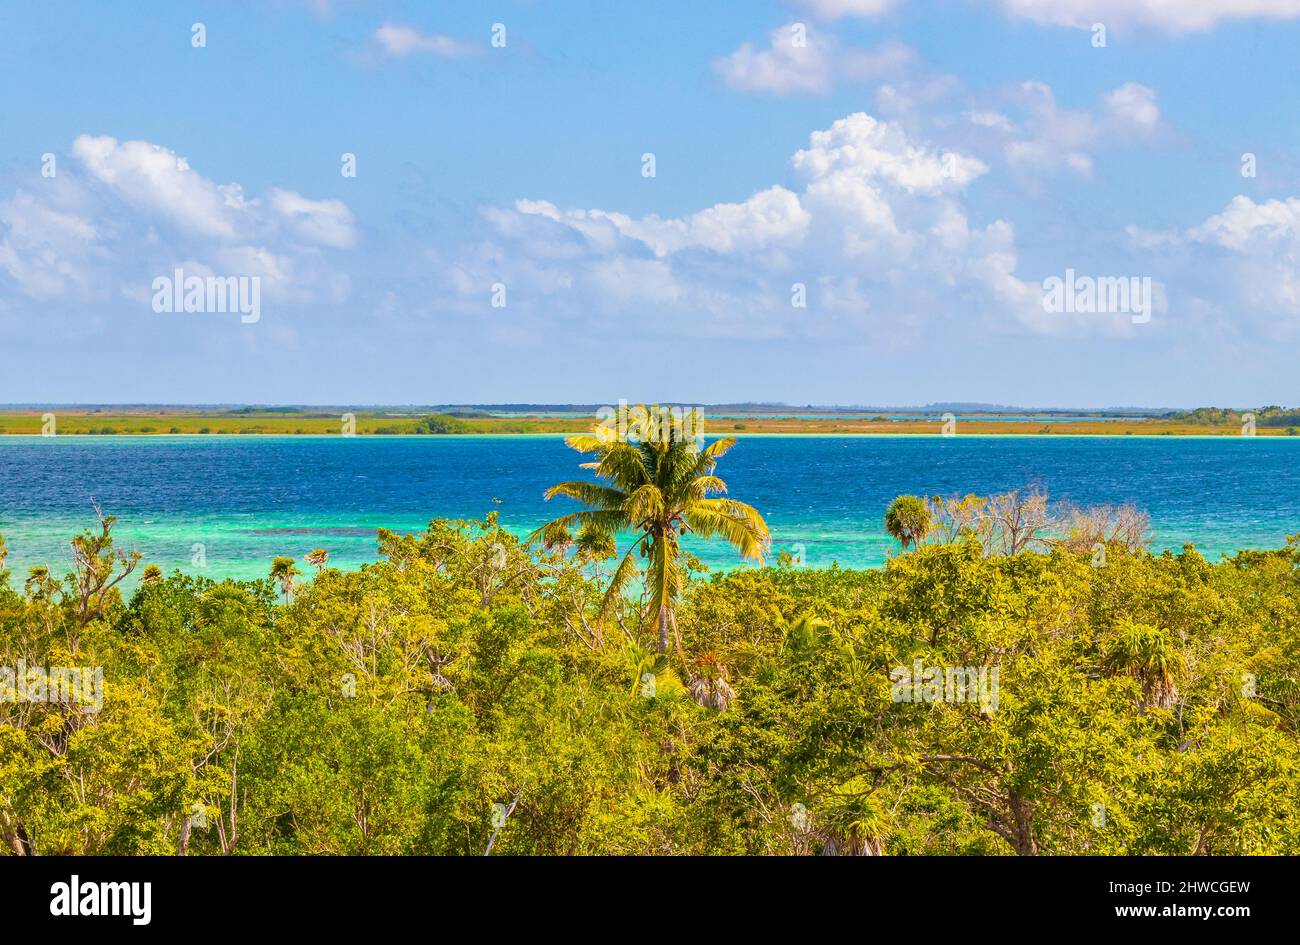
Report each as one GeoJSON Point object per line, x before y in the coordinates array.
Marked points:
{"type": "Point", "coordinates": [243, 500]}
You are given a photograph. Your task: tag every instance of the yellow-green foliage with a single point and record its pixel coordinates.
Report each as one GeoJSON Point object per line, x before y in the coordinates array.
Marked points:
{"type": "Point", "coordinates": [1146, 706]}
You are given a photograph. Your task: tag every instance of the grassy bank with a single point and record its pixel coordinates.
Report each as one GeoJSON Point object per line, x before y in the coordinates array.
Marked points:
{"type": "Point", "coordinates": [305, 422]}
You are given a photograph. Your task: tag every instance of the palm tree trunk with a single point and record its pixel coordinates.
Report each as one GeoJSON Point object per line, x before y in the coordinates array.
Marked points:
{"type": "Point", "coordinates": [663, 629]}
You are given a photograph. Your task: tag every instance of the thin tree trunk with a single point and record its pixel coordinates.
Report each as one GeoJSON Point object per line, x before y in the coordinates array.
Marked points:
{"type": "Point", "coordinates": [1023, 826]}
{"type": "Point", "coordinates": [183, 846]}
{"type": "Point", "coordinates": [663, 629]}
{"type": "Point", "coordinates": [15, 836]}
{"type": "Point", "coordinates": [509, 810]}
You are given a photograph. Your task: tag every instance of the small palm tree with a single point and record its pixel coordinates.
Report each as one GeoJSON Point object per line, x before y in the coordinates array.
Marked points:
{"type": "Point", "coordinates": [1148, 655]}
{"type": "Point", "coordinates": [651, 673]}
{"type": "Point", "coordinates": [318, 559]}
{"type": "Point", "coordinates": [592, 546]}
{"type": "Point", "coordinates": [659, 489]}
{"type": "Point", "coordinates": [152, 575]}
{"type": "Point", "coordinates": [802, 635]}
{"type": "Point", "coordinates": [859, 829]}
{"type": "Point", "coordinates": [39, 584]}
{"type": "Point", "coordinates": [284, 571]}
{"type": "Point", "coordinates": [4, 552]}
{"type": "Point", "coordinates": [908, 520]}
{"type": "Point", "coordinates": [708, 685]}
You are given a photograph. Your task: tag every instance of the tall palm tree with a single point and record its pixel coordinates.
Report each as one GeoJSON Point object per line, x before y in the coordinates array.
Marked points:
{"type": "Point", "coordinates": [318, 559]}
{"type": "Point", "coordinates": [659, 488]}
{"type": "Point", "coordinates": [908, 520]}
{"type": "Point", "coordinates": [284, 571]}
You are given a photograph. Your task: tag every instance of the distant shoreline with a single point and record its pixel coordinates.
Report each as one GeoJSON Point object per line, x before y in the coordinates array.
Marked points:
{"type": "Point", "coordinates": [709, 434]}
{"type": "Point", "coordinates": [106, 422]}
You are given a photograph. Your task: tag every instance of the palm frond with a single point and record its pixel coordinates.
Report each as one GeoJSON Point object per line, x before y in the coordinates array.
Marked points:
{"type": "Point", "coordinates": [646, 502]}
{"type": "Point", "coordinates": [738, 523]}
{"type": "Point", "coordinates": [623, 574]}
{"type": "Point", "coordinates": [585, 443]}
{"type": "Point", "coordinates": [588, 493]}
{"type": "Point", "coordinates": [557, 531]}
{"type": "Point", "coordinates": [701, 486]}
{"type": "Point", "coordinates": [624, 465]}
{"type": "Point", "coordinates": [718, 448]}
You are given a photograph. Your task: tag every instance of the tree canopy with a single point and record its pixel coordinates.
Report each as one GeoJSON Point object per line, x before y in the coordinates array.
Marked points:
{"type": "Point", "coordinates": [458, 693]}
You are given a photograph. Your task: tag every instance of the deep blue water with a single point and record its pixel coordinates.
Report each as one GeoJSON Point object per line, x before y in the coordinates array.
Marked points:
{"type": "Point", "coordinates": [248, 499]}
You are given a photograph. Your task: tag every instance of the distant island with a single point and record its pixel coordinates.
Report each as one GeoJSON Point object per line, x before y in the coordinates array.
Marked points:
{"type": "Point", "coordinates": [721, 419]}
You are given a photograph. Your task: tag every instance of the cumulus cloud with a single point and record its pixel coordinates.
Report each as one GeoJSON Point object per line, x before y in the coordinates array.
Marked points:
{"type": "Point", "coordinates": [835, 9]}
{"type": "Point", "coordinates": [875, 231]}
{"type": "Point", "coordinates": [122, 211]}
{"type": "Point", "coordinates": [1134, 104]}
{"type": "Point", "coordinates": [1245, 225]}
{"type": "Point", "coordinates": [770, 217]}
{"type": "Point", "coordinates": [1239, 268]}
{"type": "Point", "coordinates": [327, 222]}
{"type": "Point", "coordinates": [1044, 137]}
{"type": "Point", "coordinates": [400, 41]}
{"type": "Point", "coordinates": [802, 60]}
{"type": "Point", "coordinates": [45, 248]}
{"type": "Point", "coordinates": [161, 182]}
{"type": "Point", "coordinates": [793, 62]}
{"type": "Point", "coordinates": [1178, 16]}
{"type": "Point", "coordinates": [1173, 16]}
{"type": "Point", "coordinates": [865, 149]}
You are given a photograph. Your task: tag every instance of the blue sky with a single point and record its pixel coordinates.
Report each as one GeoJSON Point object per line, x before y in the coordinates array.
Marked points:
{"type": "Point", "coordinates": [919, 168]}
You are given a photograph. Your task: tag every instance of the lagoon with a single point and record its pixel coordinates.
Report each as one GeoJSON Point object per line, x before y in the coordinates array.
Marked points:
{"type": "Point", "coordinates": [226, 505]}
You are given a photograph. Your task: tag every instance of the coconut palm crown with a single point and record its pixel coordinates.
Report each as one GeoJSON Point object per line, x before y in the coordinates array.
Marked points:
{"type": "Point", "coordinates": [908, 520]}
{"type": "Point", "coordinates": [659, 487]}
{"type": "Point", "coordinates": [284, 571]}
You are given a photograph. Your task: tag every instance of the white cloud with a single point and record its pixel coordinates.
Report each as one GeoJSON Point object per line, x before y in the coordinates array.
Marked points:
{"type": "Point", "coordinates": [400, 41]}
{"type": "Point", "coordinates": [989, 119]}
{"type": "Point", "coordinates": [1172, 16]}
{"type": "Point", "coordinates": [1245, 225]}
{"type": "Point", "coordinates": [791, 64]}
{"type": "Point", "coordinates": [327, 222]}
{"type": "Point", "coordinates": [1238, 270]}
{"type": "Point", "coordinates": [834, 9]}
{"type": "Point", "coordinates": [802, 60]}
{"type": "Point", "coordinates": [1135, 104]}
{"type": "Point", "coordinates": [1048, 138]}
{"type": "Point", "coordinates": [120, 213]}
{"type": "Point", "coordinates": [875, 232]}
{"type": "Point", "coordinates": [1175, 16]}
{"type": "Point", "coordinates": [160, 181]}
{"type": "Point", "coordinates": [770, 217]}
{"type": "Point", "coordinates": [45, 249]}
{"type": "Point", "coordinates": [861, 147]}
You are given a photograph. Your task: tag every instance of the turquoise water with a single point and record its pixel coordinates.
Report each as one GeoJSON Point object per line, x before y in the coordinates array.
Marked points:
{"type": "Point", "coordinates": [245, 500]}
